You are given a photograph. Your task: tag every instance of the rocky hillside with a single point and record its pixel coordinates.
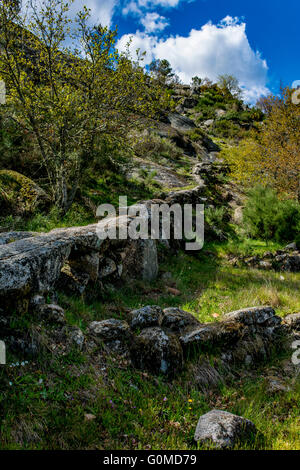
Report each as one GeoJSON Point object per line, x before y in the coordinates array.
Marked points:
{"type": "Point", "coordinates": [138, 344]}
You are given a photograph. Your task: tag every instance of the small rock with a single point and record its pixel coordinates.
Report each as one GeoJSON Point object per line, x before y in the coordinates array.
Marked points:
{"type": "Point", "coordinates": [176, 319]}
{"type": "Point", "coordinates": [53, 313]}
{"type": "Point", "coordinates": [276, 384]}
{"type": "Point", "coordinates": [268, 254]}
{"type": "Point", "coordinates": [293, 320]}
{"type": "Point", "coordinates": [208, 123]}
{"type": "Point", "coordinates": [224, 430]}
{"type": "Point", "coordinates": [291, 246]}
{"type": "Point", "coordinates": [77, 337]}
{"type": "Point", "coordinates": [89, 417]}
{"type": "Point", "coordinates": [110, 329]}
{"type": "Point", "coordinates": [265, 264]}
{"type": "Point", "coordinates": [146, 316]}
{"type": "Point", "coordinates": [209, 335]}
{"type": "Point", "coordinates": [108, 267]}
{"type": "Point", "coordinates": [166, 276]}
{"type": "Point", "coordinates": [37, 302]}
{"type": "Point", "coordinates": [220, 112]}
{"type": "Point", "coordinates": [115, 334]}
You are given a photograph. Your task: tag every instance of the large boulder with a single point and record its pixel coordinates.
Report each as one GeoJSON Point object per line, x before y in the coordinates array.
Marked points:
{"type": "Point", "coordinates": [11, 237]}
{"type": "Point", "coordinates": [223, 430]}
{"type": "Point", "coordinates": [181, 123]}
{"type": "Point", "coordinates": [37, 264]}
{"type": "Point", "coordinates": [19, 194]}
{"type": "Point", "coordinates": [157, 351]}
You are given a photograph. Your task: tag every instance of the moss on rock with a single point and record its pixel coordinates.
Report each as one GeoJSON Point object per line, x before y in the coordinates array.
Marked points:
{"type": "Point", "coordinates": [19, 195]}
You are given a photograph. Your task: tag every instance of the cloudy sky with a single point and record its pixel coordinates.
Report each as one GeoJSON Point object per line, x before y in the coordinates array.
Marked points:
{"type": "Point", "coordinates": [255, 40]}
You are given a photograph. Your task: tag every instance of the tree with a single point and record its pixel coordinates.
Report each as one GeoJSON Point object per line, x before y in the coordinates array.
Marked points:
{"type": "Point", "coordinates": [196, 81]}
{"type": "Point", "coordinates": [162, 71]}
{"type": "Point", "coordinates": [272, 156]}
{"type": "Point", "coordinates": [266, 103]}
{"type": "Point", "coordinates": [70, 97]}
{"type": "Point", "coordinates": [230, 84]}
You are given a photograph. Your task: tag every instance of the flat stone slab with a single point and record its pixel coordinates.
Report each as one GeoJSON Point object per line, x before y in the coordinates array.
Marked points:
{"type": "Point", "coordinates": [34, 263]}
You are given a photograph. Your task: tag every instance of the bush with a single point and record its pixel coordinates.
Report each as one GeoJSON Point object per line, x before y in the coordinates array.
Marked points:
{"type": "Point", "coordinates": [227, 129]}
{"type": "Point", "coordinates": [217, 226]}
{"type": "Point", "coordinates": [269, 218]}
{"type": "Point", "coordinates": [154, 147]}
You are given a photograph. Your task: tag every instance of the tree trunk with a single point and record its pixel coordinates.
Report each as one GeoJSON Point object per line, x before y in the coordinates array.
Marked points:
{"type": "Point", "coordinates": [64, 197]}
{"type": "Point", "coordinates": [61, 193]}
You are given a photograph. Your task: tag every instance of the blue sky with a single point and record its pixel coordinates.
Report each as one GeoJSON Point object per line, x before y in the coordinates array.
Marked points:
{"type": "Point", "coordinates": [258, 41]}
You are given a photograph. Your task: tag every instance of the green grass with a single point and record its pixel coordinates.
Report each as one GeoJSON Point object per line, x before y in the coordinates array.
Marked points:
{"type": "Point", "coordinates": [45, 405]}
{"type": "Point", "coordinates": [45, 408]}
{"type": "Point", "coordinates": [208, 286]}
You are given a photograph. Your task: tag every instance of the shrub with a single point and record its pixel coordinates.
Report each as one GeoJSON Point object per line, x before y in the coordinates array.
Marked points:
{"type": "Point", "coordinates": [154, 147]}
{"type": "Point", "coordinates": [217, 226]}
{"type": "Point", "coordinates": [269, 218]}
{"type": "Point", "coordinates": [227, 129]}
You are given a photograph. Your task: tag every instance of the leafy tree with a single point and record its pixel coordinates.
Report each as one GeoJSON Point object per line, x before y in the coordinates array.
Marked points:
{"type": "Point", "coordinates": [161, 69]}
{"type": "Point", "coordinates": [272, 156]}
{"type": "Point", "coordinates": [196, 81]}
{"type": "Point", "coordinates": [69, 97]}
{"type": "Point", "coordinates": [266, 103]}
{"type": "Point", "coordinates": [230, 84]}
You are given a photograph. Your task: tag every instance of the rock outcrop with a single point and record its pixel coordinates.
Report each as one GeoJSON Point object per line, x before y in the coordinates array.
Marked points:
{"type": "Point", "coordinates": [72, 257]}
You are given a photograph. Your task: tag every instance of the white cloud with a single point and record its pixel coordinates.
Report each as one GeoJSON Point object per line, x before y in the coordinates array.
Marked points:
{"type": "Point", "coordinates": [132, 8]}
{"type": "Point", "coordinates": [102, 11]}
{"type": "Point", "coordinates": [141, 41]}
{"type": "Point", "coordinates": [151, 4]}
{"type": "Point", "coordinates": [209, 51]}
{"type": "Point", "coordinates": [154, 22]}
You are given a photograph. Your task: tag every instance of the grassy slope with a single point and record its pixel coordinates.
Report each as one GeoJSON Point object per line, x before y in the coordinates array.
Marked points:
{"type": "Point", "coordinates": [45, 404]}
